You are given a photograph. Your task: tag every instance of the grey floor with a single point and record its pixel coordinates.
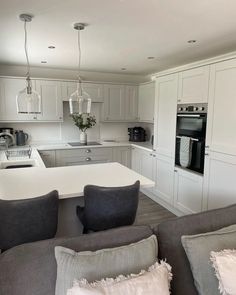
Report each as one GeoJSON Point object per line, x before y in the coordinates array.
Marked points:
{"type": "Point", "coordinates": [149, 212]}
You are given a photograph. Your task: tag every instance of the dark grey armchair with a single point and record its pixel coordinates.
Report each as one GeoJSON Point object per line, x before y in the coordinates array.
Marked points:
{"type": "Point", "coordinates": [108, 207]}
{"type": "Point", "coordinates": [28, 220]}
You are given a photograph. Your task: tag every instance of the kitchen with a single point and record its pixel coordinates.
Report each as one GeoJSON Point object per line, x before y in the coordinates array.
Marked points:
{"type": "Point", "coordinates": [123, 100]}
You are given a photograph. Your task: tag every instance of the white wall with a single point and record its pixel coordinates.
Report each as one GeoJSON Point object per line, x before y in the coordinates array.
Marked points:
{"type": "Point", "coordinates": [53, 73]}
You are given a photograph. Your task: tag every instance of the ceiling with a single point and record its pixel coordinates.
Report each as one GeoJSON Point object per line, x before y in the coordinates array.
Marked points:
{"type": "Point", "coordinates": [121, 33]}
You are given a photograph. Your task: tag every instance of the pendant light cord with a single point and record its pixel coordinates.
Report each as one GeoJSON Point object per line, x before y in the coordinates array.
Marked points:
{"type": "Point", "coordinates": [79, 55]}
{"type": "Point", "coordinates": [26, 51]}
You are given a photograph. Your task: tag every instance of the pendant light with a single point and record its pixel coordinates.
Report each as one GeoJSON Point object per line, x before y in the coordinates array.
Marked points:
{"type": "Point", "coordinates": [79, 101]}
{"type": "Point", "coordinates": [28, 101]}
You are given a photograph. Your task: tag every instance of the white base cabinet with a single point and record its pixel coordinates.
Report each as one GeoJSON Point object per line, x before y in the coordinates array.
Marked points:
{"type": "Point", "coordinates": [83, 156]}
{"type": "Point", "coordinates": [142, 162]}
{"type": "Point", "coordinates": [122, 155]}
{"type": "Point", "coordinates": [188, 191]}
{"type": "Point", "coordinates": [164, 178]}
{"type": "Point", "coordinates": [220, 180]}
{"type": "Point", "coordinates": [49, 158]}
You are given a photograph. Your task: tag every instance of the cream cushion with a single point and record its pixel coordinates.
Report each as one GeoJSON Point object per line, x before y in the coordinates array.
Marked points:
{"type": "Point", "coordinates": [224, 263]}
{"type": "Point", "coordinates": [155, 281]}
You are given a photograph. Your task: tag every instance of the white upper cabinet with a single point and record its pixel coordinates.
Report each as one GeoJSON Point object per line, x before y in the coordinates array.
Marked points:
{"type": "Point", "coordinates": [188, 191]}
{"type": "Point", "coordinates": [131, 103]}
{"type": "Point", "coordinates": [9, 88]}
{"type": "Point", "coordinates": [52, 108]}
{"type": "Point", "coordinates": [146, 98]}
{"type": "Point", "coordinates": [221, 131]}
{"type": "Point", "coordinates": [193, 85]}
{"type": "Point", "coordinates": [165, 114]}
{"type": "Point", "coordinates": [95, 91]}
{"type": "Point", "coordinates": [114, 103]}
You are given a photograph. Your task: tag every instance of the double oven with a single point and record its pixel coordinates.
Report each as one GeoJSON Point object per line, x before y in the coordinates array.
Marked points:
{"type": "Point", "coordinates": [191, 123]}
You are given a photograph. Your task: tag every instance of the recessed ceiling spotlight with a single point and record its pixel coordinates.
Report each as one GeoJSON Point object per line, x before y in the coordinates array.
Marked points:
{"type": "Point", "coordinates": [43, 61]}
{"type": "Point", "coordinates": [123, 69]}
{"type": "Point", "coordinates": [51, 47]}
{"type": "Point", "coordinates": [150, 57]}
{"type": "Point", "coordinates": [192, 41]}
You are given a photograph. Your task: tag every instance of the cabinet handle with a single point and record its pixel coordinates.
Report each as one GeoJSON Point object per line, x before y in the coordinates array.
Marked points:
{"type": "Point", "coordinates": [151, 154]}
{"type": "Point", "coordinates": [175, 171]}
{"type": "Point", "coordinates": [154, 156]}
{"type": "Point", "coordinates": [206, 154]}
{"type": "Point", "coordinates": [88, 159]}
{"type": "Point", "coordinates": [179, 100]}
{"type": "Point", "coordinates": [88, 151]}
{"type": "Point", "coordinates": [207, 146]}
{"type": "Point", "coordinates": [35, 118]}
{"type": "Point", "coordinates": [60, 118]}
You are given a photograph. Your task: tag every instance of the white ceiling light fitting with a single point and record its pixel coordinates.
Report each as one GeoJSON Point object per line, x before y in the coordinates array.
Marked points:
{"type": "Point", "coordinates": [79, 101]}
{"type": "Point", "coordinates": [28, 101]}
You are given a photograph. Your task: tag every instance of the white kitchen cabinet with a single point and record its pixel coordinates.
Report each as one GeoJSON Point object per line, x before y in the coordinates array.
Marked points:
{"type": "Point", "coordinates": [194, 85]}
{"type": "Point", "coordinates": [9, 88]}
{"type": "Point", "coordinates": [146, 99]}
{"type": "Point", "coordinates": [52, 108]}
{"type": "Point", "coordinates": [94, 90]}
{"type": "Point", "coordinates": [131, 103]}
{"type": "Point", "coordinates": [122, 155]}
{"type": "Point", "coordinates": [188, 191]}
{"type": "Point", "coordinates": [164, 178]}
{"type": "Point", "coordinates": [83, 156]}
{"type": "Point", "coordinates": [165, 115]}
{"type": "Point", "coordinates": [221, 131]}
{"type": "Point", "coordinates": [48, 157]}
{"type": "Point", "coordinates": [114, 103]}
{"type": "Point", "coordinates": [219, 180]}
{"type": "Point", "coordinates": [142, 162]}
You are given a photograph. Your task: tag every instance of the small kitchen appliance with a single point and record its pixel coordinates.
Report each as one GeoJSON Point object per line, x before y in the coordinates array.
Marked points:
{"type": "Point", "coordinates": [21, 137]}
{"type": "Point", "coordinates": [6, 136]}
{"type": "Point", "coordinates": [137, 134]}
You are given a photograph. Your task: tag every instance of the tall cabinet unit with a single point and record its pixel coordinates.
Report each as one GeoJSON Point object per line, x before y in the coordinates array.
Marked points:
{"type": "Point", "coordinates": [193, 85]}
{"type": "Point", "coordinates": [220, 159]}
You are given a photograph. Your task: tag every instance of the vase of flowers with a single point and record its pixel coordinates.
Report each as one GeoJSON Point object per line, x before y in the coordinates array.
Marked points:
{"type": "Point", "coordinates": [84, 122]}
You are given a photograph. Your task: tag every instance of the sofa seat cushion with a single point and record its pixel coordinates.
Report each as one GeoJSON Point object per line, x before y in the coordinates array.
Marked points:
{"type": "Point", "coordinates": [37, 259]}
{"type": "Point", "coordinates": [169, 243]}
{"type": "Point", "coordinates": [109, 262]}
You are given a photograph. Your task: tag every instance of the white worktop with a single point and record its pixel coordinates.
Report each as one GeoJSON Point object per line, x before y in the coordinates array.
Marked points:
{"type": "Point", "coordinates": [69, 181]}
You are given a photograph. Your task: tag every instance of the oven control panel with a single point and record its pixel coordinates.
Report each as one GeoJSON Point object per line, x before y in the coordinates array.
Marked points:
{"type": "Point", "coordinates": [199, 108]}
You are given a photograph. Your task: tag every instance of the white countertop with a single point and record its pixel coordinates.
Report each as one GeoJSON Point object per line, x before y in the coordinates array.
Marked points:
{"type": "Point", "coordinates": [69, 181]}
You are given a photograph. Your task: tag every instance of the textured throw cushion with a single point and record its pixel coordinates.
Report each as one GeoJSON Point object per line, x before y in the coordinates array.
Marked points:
{"type": "Point", "coordinates": [155, 281]}
{"type": "Point", "coordinates": [103, 263]}
{"type": "Point", "coordinates": [198, 248]}
{"type": "Point", "coordinates": [224, 263]}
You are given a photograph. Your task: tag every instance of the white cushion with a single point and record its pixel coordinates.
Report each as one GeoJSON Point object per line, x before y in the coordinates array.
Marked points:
{"type": "Point", "coordinates": [155, 281]}
{"type": "Point", "coordinates": [224, 263]}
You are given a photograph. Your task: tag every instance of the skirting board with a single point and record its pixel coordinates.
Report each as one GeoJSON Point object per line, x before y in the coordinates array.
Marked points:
{"type": "Point", "coordinates": [158, 200]}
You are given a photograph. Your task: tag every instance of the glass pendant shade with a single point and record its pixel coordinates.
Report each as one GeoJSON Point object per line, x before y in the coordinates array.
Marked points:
{"type": "Point", "coordinates": [28, 101]}
{"type": "Point", "coordinates": [80, 102]}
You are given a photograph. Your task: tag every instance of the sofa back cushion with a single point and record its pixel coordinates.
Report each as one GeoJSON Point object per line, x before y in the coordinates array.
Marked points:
{"type": "Point", "coordinates": [170, 247]}
{"type": "Point", "coordinates": [37, 260]}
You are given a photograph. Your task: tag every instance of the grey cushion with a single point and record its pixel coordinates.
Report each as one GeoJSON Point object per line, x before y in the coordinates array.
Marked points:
{"type": "Point", "coordinates": [104, 263]}
{"type": "Point", "coordinates": [28, 220]}
{"type": "Point", "coordinates": [169, 243]}
{"type": "Point", "coordinates": [198, 248]}
{"type": "Point", "coordinates": [31, 268]}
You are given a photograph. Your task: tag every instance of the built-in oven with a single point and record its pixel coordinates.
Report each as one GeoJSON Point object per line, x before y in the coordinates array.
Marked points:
{"type": "Point", "coordinates": [191, 134]}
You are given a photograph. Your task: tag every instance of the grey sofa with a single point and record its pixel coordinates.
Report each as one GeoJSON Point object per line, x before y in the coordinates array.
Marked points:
{"type": "Point", "coordinates": [30, 269]}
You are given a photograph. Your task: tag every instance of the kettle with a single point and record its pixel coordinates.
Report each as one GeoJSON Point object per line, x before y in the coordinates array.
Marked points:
{"type": "Point", "coordinates": [21, 137]}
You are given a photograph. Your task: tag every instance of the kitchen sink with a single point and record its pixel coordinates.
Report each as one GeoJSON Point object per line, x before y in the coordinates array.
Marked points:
{"type": "Point", "coordinates": [18, 164]}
